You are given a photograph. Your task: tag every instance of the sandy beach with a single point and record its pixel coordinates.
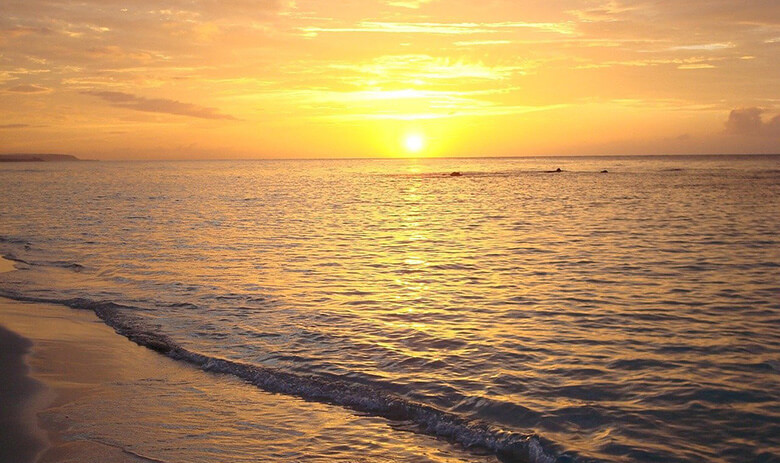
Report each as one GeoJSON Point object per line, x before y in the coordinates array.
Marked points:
{"type": "Point", "coordinates": [99, 397]}
{"type": "Point", "coordinates": [70, 357]}
{"type": "Point", "coordinates": [6, 265]}
{"type": "Point", "coordinates": [20, 437]}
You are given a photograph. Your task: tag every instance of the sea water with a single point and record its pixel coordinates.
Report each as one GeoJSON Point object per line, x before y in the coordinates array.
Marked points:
{"type": "Point", "coordinates": [632, 315]}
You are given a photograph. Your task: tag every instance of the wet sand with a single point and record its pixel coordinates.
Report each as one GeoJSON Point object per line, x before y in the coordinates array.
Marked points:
{"type": "Point", "coordinates": [99, 397]}
{"type": "Point", "coordinates": [20, 437]}
{"type": "Point", "coordinates": [6, 265]}
{"type": "Point", "coordinates": [71, 355]}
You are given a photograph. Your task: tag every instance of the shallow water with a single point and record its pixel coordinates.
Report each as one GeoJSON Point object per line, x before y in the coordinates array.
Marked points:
{"type": "Point", "coordinates": [627, 316]}
{"type": "Point", "coordinates": [173, 413]}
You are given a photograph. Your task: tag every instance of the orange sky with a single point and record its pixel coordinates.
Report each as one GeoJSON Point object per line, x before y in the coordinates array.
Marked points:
{"type": "Point", "coordinates": [113, 79]}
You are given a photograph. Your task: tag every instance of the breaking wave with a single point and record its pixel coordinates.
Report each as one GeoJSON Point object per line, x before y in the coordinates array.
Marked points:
{"type": "Point", "coordinates": [508, 446]}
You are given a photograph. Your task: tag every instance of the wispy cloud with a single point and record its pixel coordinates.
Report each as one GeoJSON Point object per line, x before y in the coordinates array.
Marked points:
{"type": "Point", "coordinates": [696, 62]}
{"type": "Point", "coordinates": [158, 105]}
{"type": "Point", "coordinates": [472, 43]}
{"type": "Point", "coordinates": [20, 31]}
{"type": "Point", "coordinates": [474, 111]}
{"type": "Point", "coordinates": [411, 4]}
{"type": "Point", "coordinates": [407, 104]}
{"type": "Point", "coordinates": [420, 69]}
{"type": "Point", "coordinates": [444, 28]}
{"type": "Point", "coordinates": [696, 66]}
{"type": "Point", "coordinates": [28, 88]}
{"type": "Point", "coordinates": [705, 46]}
{"type": "Point", "coordinates": [14, 126]}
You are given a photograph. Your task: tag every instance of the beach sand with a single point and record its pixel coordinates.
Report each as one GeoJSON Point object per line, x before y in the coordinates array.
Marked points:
{"type": "Point", "coordinates": [71, 356]}
{"type": "Point", "coordinates": [6, 265]}
{"type": "Point", "coordinates": [99, 397]}
{"type": "Point", "coordinates": [20, 437]}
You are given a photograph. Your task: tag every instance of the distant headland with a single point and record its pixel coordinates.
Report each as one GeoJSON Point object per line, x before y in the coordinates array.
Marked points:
{"type": "Point", "coordinates": [36, 157]}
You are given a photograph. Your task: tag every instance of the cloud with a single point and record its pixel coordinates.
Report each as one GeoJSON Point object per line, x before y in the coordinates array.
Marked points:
{"type": "Point", "coordinates": [704, 46]}
{"type": "Point", "coordinates": [28, 88]}
{"type": "Point", "coordinates": [418, 69]}
{"type": "Point", "coordinates": [20, 31]}
{"type": "Point", "coordinates": [751, 12]}
{"type": "Point", "coordinates": [696, 66]}
{"type": "Point", "coordinates": [471, 43]}
{"type": "Point", "coordinates": [444, 28]}
{"type": "Point", "coordinates": [695, 62]}
{"type": "Point", "coordinates": [159, 105]}
{"type": "Point", "coordinates": [15, 126]}
{"type": "Point", "coordinates": [748, 121]}
{"type": "Point", "coordinates": [411, 4]}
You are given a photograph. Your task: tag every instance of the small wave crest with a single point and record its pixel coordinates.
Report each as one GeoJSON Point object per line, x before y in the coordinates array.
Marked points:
{"type": "Point", "coordinates": [15, 259]}
{"type": "Point", "coordinates": [76, 267]}
{"type": "Point", "coordinates": [509, 446]}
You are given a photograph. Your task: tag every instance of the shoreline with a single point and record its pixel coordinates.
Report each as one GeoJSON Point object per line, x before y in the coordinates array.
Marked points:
{"type": "Point", "coordinates": [48, 356]}
{"type": "Point", "coordinates": [106, 398]}
{"type": "Point", "coordinates": [21, 439]}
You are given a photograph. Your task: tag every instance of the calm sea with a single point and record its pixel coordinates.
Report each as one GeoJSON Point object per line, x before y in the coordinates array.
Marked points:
{"type": "Point", "coordinates": [505, 313]}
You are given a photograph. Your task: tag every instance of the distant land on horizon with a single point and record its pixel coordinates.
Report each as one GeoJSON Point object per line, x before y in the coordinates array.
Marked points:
{"type": "Point", "coordinates": [38, 157]}
{"type": "Point", "coordinates": [51, 157]}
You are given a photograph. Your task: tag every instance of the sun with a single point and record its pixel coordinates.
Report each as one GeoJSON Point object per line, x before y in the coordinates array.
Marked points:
{"type": "Point", "coordinates": [414, 143]}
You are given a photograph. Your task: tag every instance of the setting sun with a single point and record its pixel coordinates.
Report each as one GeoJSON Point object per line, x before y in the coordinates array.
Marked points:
{"type": "Point", "coordinates": [414, 143]}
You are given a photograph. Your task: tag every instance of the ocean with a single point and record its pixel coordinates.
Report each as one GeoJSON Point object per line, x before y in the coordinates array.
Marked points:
{"type": "Point", "coordinates": [509, 313]}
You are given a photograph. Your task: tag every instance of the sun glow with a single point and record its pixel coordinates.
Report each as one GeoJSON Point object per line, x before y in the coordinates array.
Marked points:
{"type": "Point", "coordinates": [414, 143]}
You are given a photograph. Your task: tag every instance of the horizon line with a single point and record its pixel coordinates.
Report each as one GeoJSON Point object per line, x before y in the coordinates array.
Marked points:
{"type": "Point", "coordinates": [372, 158]}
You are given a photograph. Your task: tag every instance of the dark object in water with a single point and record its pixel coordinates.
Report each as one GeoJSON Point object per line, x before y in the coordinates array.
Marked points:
{"type": "Point", "coordinates": [604, 171]}
{"type": "Point", "coordinates": [455, 174]}
{"type": "Point", "coordinates": [554, 171]}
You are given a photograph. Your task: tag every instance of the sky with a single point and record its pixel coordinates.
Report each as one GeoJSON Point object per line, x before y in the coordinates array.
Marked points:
{"type": "Point", "coordinates": [195, 79]}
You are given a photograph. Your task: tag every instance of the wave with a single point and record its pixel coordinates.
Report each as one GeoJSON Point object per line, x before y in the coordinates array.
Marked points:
{"type": "Point", "coordinates": [76, 267]}
{"type": "Point", "coordinates": [14, 258]}
{"type": "Point", "coordinates": [508, 446]}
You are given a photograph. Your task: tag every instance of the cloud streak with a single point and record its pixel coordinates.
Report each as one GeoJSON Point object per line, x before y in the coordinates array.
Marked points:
{"type": "Point", "coordinates": [419, 68]}
{"type": "Point", "coordinates": [14, 126]}
{"type": "Point", "coordinates": [158, 105]}
{"type": "Point", "coordinates": [444, 28]}
{"type": "Point", "coordinates": [28, 88]}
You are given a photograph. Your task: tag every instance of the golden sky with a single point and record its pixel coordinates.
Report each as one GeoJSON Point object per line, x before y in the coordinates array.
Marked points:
{"type": "Point", "coordinates": [362, 78]}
